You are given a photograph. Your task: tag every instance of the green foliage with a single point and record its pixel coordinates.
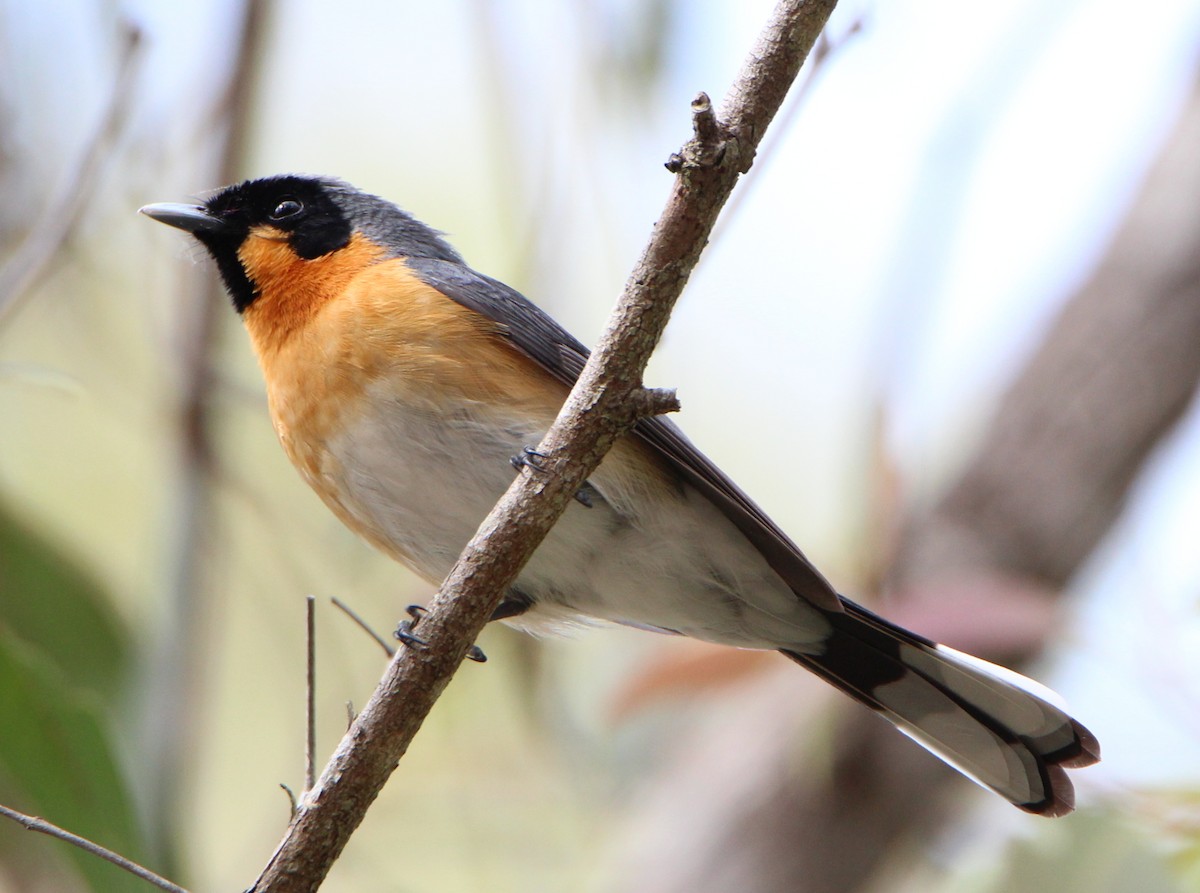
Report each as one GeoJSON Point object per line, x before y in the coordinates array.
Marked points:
{"type": "Point", "coordinates": [1091, 852]}
{"type": "Point", "coordinates": [61, 655]}
{"type": "Point", "coordinates": [1188, 867]}
{"type": "Point", "coordinates": [46, 599]}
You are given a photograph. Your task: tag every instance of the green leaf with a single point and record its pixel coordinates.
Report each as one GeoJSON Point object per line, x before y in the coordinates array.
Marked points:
{"type": "Point", "coordinates": [46, 599]}
{"type": "Point", "coordinates": [57, 761]}
{"type": "Point", "coordinates": [63, 656]}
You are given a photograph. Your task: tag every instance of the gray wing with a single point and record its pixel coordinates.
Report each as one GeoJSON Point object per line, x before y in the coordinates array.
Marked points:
{"type": "Point", "coordinates": [532, 330]}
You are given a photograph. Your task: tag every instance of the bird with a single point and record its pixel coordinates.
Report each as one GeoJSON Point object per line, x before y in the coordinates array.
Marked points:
{"type": "Point", "coordinates": [404, 386]}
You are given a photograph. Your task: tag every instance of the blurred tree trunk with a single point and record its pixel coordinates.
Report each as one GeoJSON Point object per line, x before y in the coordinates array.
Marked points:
{"type": "Point", "coordinates": [981, 570]}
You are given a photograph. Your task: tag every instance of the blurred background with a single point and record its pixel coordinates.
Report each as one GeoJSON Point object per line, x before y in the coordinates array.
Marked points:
{"type": "Point", "coordinates": [947, 333]}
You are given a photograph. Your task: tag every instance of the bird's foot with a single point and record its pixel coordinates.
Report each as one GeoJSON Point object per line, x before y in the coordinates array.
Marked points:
{"type": "Point", "coordinates": [404, 633]}
{"type": "Point", "coordinates": [533, 460]}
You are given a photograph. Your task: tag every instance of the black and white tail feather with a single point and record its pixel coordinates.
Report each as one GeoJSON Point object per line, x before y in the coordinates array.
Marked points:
{"type": "Point", "coordinates": [996, 727]}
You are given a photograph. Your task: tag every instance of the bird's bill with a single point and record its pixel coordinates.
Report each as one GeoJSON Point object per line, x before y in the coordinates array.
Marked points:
{"type": "Point", "coordinates": [190, 218]}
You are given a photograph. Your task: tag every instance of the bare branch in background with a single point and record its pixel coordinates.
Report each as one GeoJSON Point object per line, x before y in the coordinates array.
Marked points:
{"type": "Point", "coordinates": [62, 216]}
{"type": "Point", "coordinates": [310, 693]}
{"type": "Point", "coordinates": [364, 626]}
{"type": "Point", "coordinates": [171, 712]}
{"type": "Point", "coordinates": [605, 402]}
{"type": "Point", "coordinates": [1115, 372]}
{"type": "Point", "coordinates": [33, 823]}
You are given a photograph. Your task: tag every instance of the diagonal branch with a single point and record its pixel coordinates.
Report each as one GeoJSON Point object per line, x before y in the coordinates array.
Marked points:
{"type": "Point", "coordinates": [606, 401]}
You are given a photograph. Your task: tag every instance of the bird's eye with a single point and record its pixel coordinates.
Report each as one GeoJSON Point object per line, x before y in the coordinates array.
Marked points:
{"type": "Point", "coordinates": [289, 207]}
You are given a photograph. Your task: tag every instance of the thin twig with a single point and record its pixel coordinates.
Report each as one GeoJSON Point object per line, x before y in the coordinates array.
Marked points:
{"type": "Point", "coordinates": [310, 701]}
{"type": "Point", "coordinates": [597, 412]}
{"type": "Point", "coordinates": [366, 627]}
{"type": "Point", "coordinates": [62, 216]}
{"type": "Point", "coordinates": [33, 823]}
{"type": "Point", "coordinates": [291, 795]}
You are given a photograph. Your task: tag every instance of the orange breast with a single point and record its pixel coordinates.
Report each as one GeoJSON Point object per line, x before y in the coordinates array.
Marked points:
{"type": "Point", "coordinates": [328, 331]}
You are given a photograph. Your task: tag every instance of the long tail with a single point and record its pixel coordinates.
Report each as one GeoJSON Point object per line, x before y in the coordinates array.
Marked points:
{"type": "Point", "coordinates": [982, 719]}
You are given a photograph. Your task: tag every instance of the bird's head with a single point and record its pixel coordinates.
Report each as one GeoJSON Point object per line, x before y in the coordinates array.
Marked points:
{"type": "Point", "coordinates": [267, 234]}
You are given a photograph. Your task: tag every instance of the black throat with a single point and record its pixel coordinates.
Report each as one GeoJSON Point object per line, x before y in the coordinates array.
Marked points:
{"type": "Point", "coordinates": [241, 288]}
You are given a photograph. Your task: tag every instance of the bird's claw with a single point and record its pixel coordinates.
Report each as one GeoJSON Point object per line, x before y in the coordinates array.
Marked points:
{"type": "Point", "coordinates": [404, 632]}
{"type": "Point", "coordinates": [529, 458]}
{"type": "Point", "coordinates": [535, 461]}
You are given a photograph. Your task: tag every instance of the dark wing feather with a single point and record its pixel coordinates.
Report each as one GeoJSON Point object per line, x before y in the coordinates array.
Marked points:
{"type": "Point", "coordinates": [536, 334]}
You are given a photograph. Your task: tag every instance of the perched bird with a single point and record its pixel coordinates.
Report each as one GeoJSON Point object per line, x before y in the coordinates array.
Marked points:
{"type": "Point", "coordinates": [401, 384]}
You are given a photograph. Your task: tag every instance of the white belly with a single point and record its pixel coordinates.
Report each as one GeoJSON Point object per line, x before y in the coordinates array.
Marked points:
{"type": "Point", "coordinates": [663, 558]}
